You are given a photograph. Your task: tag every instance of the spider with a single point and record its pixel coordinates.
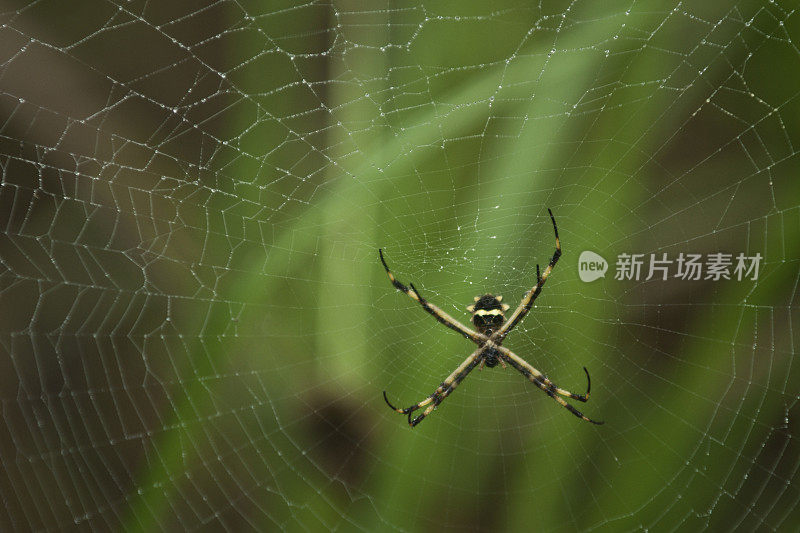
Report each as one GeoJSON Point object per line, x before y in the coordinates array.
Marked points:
{"type": "Point", "coordinates": [488, 317]}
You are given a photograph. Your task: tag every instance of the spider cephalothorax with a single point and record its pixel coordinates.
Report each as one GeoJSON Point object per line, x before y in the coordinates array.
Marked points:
{"type": "Point", "coordinates": [488, 317]}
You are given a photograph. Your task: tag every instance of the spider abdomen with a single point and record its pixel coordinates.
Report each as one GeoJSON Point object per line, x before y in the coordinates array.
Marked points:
{"type": "Point", "coordinates": [488, 313]}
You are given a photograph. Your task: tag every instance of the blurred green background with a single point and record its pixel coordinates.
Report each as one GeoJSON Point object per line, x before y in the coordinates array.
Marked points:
{"type": "Point", "coordinates": [195, 329]}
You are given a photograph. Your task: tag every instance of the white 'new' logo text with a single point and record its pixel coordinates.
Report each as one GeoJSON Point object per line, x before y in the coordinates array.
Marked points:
{"type": "Point", "coordinates": [591, 266]}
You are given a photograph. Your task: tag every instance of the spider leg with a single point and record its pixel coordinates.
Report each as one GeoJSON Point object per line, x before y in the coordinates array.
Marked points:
{"type": "Point", "coordinates": [442, 391]}
{"type": "Point", "coordinates": [572, 409]}
{"type": "Point", "coordinates": [531, 371]}
{"type": "Point", "coordinates": [458, 378]}
{"type": "Point", "coordinates": [541, 381]}
{"type": "Point", "coordinates": [530, 296]}
{"type": "Point", "coordinates": [411, 409]}
{"type": "Point", "coordinates": [437, 313]}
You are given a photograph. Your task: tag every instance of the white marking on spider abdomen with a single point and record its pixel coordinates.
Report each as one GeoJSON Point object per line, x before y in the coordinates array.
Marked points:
{"type": "Point", "coordinates": [484, 312]}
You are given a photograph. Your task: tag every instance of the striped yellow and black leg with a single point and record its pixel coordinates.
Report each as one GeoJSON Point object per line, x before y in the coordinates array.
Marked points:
{"type": "Point", "coordinates": [541, 381]}
{"type": "Point", "coordinates": [411, 409]}
{"type": "Point", "coordinates": [436, 312]}
{"type": "Point", "coordinates": [564, 404]}
{"type": "Point", "coordinates": [530, 296]}
{"type": "Point", "coordinates": [441, 392]}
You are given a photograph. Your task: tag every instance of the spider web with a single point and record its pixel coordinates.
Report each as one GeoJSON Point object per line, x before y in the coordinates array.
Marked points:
{"type": "Point", "coordinates": [196, 329]}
